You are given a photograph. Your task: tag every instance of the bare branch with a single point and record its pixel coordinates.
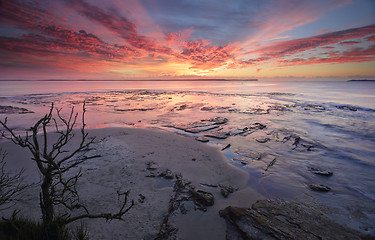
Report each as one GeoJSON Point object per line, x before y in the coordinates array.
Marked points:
{"type": "Point", "coordinates": [108, 216]}
{"type": "Point", "coordinates": [11, 184]}
{"type": "Point", "coordinates": [56, 161]}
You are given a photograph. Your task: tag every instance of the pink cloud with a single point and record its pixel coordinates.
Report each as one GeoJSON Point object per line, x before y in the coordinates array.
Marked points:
{"type": "Point", "coordinates": [203, 55]}
{"type": "Point", "coordinates": [354, 55]}
{"type": "Point", "coordinates": [278, 51]}
{"type": "Point", "coordinates": [125, 28]}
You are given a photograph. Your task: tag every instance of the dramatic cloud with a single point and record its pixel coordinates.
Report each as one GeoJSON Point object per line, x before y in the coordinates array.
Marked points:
{"type": "Point", "coordinates": [277, 51]}
{"type": "Point", "coordinates": [354, 55]}
{"type": "Point", "coordinates": [173, 38]}
{"type": "Point", "coordinates": [118, 24]}
{"type": "Point", "coordinates": [205, 56]}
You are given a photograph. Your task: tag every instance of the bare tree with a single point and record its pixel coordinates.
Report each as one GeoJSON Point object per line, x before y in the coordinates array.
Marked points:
{"type": "Point", "coordinates": [56, 163]}
{"type": "Point", "coordinates": [11, 184]}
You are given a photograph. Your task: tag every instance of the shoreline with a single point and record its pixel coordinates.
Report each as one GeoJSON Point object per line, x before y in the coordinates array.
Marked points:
{"type": "Point", "coordinates": [164, 172]}
{"type": "Point", "coordinates": [127, 155]}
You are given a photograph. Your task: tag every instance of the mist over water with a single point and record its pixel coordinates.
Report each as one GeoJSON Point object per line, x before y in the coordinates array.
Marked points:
{"type": "Point", "coordinates": [278, 131]}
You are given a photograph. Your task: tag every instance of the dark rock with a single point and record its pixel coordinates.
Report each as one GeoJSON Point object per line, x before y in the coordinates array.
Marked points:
{"type": "Point", "coordinates": [258, 126]}
{"type": "Point", "coordinates": [218, 134]}
{"type": "Point", "coordinates": [285, 139]}
{"type": "Point", "coordinates": [141, 198]}
{"type": "Point", "coordinates": [277, 108]}
{"type": "Point", "coordinates": [201, 129]}
{"type": "Point", "coordinates": [181, 183]}
{"type": "Point", "coordinates": [151, 166]}
{"type": "Point", "coordinates": [12, 110]}
{"type": "Point", "coordinates": [226, 147]}
{"type": "Point", "coordinates": [319, 187]}
{"type": "Point", "coordinates": [209, 185]}
{"type": "Point", "coordinates": [207, 108]}
{"type": "Point", "coordinates": [167, 174]}
{"type": "Point", "coordinates": [319, 171]}
{"type": "Point", "coordinates": [202, 198]}
{"type": "Point", "coordinates": [182, 107]}
{"type": "Point", "coordinates": [316, 107]}
{"type": "Point", "coordinates": [200, 126]}
{"type": "Point", "coordinates": [219, 120]}
{"type": "Point", "coordinates": [307, 146]}
{"type": "Point", "coordinates": [270, 164]}
{"type": "Point", "coordinates": [202, 139]}
{"type": "Point", "coordinates": [262, 140]}
{"type": "Point", "coordinates": [226, 190]}
{"type": "Point", "coordinates": [345, 107]}
{"type": "Point", "coordinates": [296, 141]}
{"type": "Point", "coordinates": [277, 219]}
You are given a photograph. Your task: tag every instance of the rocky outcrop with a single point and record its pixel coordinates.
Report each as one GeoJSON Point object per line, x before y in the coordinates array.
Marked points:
{"type": "Point", "coordinates": [226, 190]}
{"type": "Point", "coordinates": [278, 219]}
{"type": "Point", "coordinates": [320, 171]}
{"type": "Point", "coordinates": [202, 198]}
{"type": "Point", "coordinates": [202, 125]}
{"type": "Point", "coordinates": [319, 187]}
{"type": "Point", "coordinates": [13, 110]}
{"type": "Point", "coordinates": [347, 107]}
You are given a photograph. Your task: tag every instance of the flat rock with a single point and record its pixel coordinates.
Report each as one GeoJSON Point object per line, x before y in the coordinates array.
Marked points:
{"type": "Point", "coordinates": [202, 125]}
{"type": "Point", "coordinates": [319, 187]}
{"type": "Point", "coordinates": [13, 110]}
{"type": "Point", "coordinates": [151, 166]}
{"type": "Point", "coordinates": [202, 198]}
{"type": "Point", "coordinates": [345, 107]}
{"type": "Point", "coordinates": [202, 139]}
{"type": "Point", "coordinates": [218, 135]}
{"type": "Point", "coordinates": [322, 172]}
{"type": "Point", "coordinates": [262, 140]}
{"type": "Point", "coordinates": [226, 190]}
{"type": "Point", "coordinates": [226, 147]}
{"type": "Point", "coordinates": [278, 219]}
{"type": "Point", "coordinates": [201, 129]}
{"type": "Point", "coordinates": [167, 174]}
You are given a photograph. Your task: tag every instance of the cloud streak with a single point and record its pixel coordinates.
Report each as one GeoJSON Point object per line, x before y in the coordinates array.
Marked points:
{"type": "Point", "coordinates": [278, 51]}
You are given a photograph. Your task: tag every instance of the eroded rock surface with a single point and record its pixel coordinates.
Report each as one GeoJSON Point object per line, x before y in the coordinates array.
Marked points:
{"type": "Point", "coordinates": [278, 219]}
{"type": "Point", "coordinates": [13, 110]}
{"type": "Point", "coordinates": [319, 187]}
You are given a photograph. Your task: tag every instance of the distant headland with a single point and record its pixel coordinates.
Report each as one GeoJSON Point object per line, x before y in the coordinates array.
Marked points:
{"type": "Point", "coordinates": [361, 80]}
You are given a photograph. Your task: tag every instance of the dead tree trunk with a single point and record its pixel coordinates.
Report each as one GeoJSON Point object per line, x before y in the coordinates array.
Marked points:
{"type": "Point", "coordinates": [55, 160]}
{"type": "Point", "coordinates": [46, 203]}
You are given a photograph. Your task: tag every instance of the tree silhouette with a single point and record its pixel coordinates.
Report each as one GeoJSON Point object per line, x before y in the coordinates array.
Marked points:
{"type": "Point", "coordinates": [56, 162]}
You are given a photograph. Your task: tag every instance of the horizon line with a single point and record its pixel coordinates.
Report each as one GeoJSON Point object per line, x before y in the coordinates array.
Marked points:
{"type": "Point", "coordinates": [130, 80]}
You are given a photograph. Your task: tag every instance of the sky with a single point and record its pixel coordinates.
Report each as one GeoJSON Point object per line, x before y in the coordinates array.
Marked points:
{"type": "Point", "coordinates": [187, 39]}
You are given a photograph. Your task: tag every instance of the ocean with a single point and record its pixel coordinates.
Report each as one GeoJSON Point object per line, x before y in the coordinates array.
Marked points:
{"type": "Point", "coordinates": [282, 133]}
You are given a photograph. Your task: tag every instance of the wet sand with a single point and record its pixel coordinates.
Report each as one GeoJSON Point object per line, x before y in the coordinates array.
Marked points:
{"type": "Point", "coordinates": [133, 159]}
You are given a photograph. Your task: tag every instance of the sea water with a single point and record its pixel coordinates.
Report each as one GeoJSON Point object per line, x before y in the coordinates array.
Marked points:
{"type": "Point", "coordinates": [328, 126]}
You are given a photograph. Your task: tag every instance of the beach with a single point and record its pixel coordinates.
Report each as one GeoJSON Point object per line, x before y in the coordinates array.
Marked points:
{"type": "Point", "coordinates": [308, 143]}
{"type": "Point", "coordinates": [128, 157]}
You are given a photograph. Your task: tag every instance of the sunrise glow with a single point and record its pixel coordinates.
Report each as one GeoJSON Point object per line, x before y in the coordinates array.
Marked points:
{"type": "Point", "coordinates": [137, 39]}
